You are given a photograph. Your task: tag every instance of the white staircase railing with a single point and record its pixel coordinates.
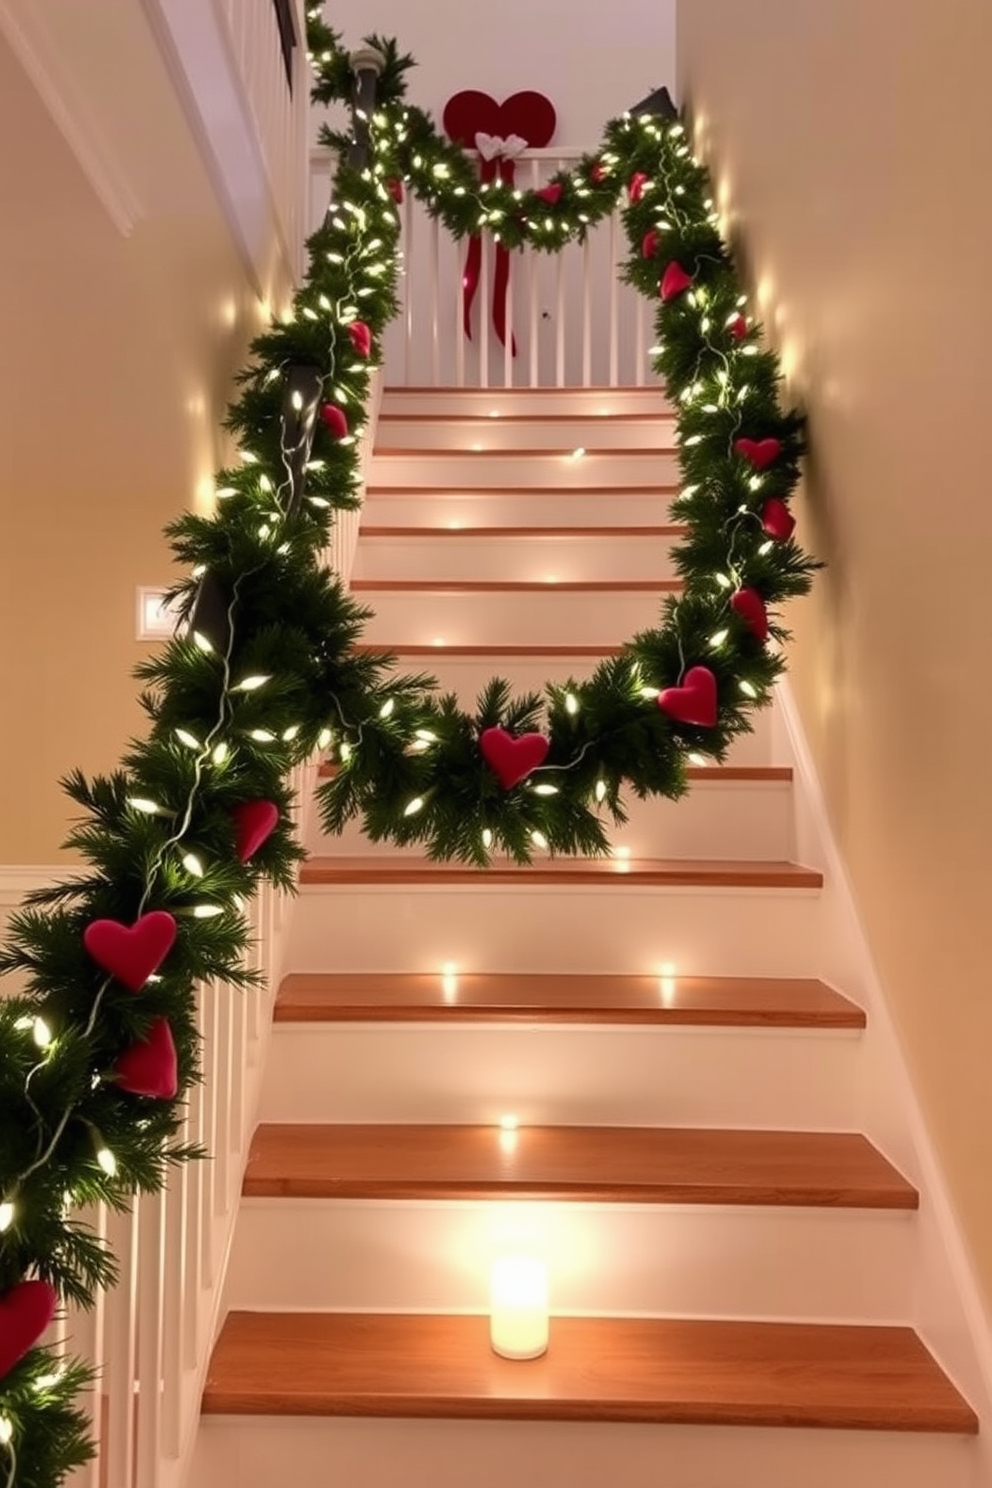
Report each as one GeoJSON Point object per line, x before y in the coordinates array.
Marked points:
{"type": "Point", "coordinates": [574, 322]}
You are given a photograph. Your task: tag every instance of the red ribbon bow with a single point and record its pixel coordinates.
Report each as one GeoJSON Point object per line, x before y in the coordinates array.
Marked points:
{"type": "Point", "coordinates": [529, 116]}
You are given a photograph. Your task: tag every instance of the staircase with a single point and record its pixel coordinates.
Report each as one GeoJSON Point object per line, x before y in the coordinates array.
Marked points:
{"type": "Point", "coordinates": [629, 1067]}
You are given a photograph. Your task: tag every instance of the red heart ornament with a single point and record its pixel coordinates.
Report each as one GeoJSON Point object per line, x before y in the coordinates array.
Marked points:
{"type": "Point", "coordinates": [738, 327]}
{"type": "Point", "coordinates": [360, 336]}
{"type": "Point", "coordinates": [649, 243]}
{"type": "Point", "coordinates": [511, 758]}
{"type": "Point", "coordinates": [693, 702]}
{"type": "Point", "coordinates": [25, 1313]}
{"type": "Point", "coordinates": [749, 604]}
{"type": "Point", "coordinates": [550, 194]}
{"type": "Point", "coordinates": [674, 281]}
{"type": "Point", "coordinates": [254, 823]}
{"type": "Point", "coordinates": [598, 173]}
{"type": "Point", "coordinates": [777, 520]}
{"type": "Point", "coordinates": [335, 420]}
{"type": "Point", "coordinates": [131, 953]}
{"type": "Point", "coordinates": [758, 452]}
{"type": "Point", "coordinates": [395, 189]}
{"type": "Point", "coordinates": [636, 185]}
{"type": "Point", "coordinates": [150, 1067]}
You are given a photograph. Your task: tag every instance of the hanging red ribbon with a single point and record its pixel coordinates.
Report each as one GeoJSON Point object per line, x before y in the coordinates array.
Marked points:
{"type": "Point", "coordinates": [498, 131]}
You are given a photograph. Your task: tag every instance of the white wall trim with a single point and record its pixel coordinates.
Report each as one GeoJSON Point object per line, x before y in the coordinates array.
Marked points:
{"type": "Point", "coordinates": [32, 42]}
{"type": "Point", "coordinates": [195, 46]}
{"type": "Point", "coordinates": [18, 879]}
{"type": "Point", "coordinates": [950, 1312]}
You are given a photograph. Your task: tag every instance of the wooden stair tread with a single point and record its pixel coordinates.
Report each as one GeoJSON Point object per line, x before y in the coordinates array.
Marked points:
{"type": "Point", "coordinates": [524, 586]}
{"type": "Point", "coordinates": [596, 1369]}
{"type": "Point", "coordinates": [581, 1164]}
{"type": "Point", "coordinates": [654, 416]}
{"type": "Point", "coordinates": [522, 452]}
{"type": "Point", "coordinates": [670, 872]}
{"type": "Point", "coordinates": [730, 1002]}
{"type": "Point", "coordinates": [436, 533]}
{"type": "Point", "coordinates": [400, 648]}
{"type": "Point", "coordinates": [430, 488]}
{"type": "Point", "coordinates": [703, 774]}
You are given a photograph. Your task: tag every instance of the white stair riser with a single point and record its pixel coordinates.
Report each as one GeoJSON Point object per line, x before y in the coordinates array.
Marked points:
{"type": "Point", "coordinates": [511, 927]}
{"type": "Point", "coordinates": [481, 618]}
{"type": "Point", "coordinates": [510, 508]}
{"type": "Point", "coordinates": [727, 820]}
{"type": "Point", "coordinates": [487, 432]}
{"type": "Point", "coordinates": [526, 560]}
{"type": "Point", "coordinates": [678, 1260]}
{"type": "Point", "coordinates": [501, 472]}
{"type": "Point", "coordinates": [253, 1452]}
{"type": "Point", "coordinates": [552, 403]}
{"type": "Point", "coordinates": [563, 1075]}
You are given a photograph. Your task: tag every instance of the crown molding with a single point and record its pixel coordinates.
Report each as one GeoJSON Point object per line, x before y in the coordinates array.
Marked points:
{"type": "Point", "coordinates": [37, 48]}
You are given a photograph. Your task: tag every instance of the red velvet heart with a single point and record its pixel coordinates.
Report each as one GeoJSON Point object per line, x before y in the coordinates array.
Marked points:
{"type": "Point", "coordinates": [738, 327]}
{"type": "Point", "coordinates": [150, 1067]}
{"type": "Point", "coordinates": [360, 336]}
{"type": "Point", "coordinates": [551, 194]}
{"type": "Point", "coordinates": [395, 189]}
{"type": "Point", "coordinates": [649, 243]}
{"type": "Point", "coordinates": [749, 604]}
{"type": "Point", "coordinates": [335, 420]}
{"type": "Point", "coordinates": [512, 758]}
{"type": "Point", "coordinates": [777, 520]}
{"type": "Point", "coordinates": [674, 281]}
{"type": "Point", "coordinates": [758, 452]}
{"type": "Point", "coordinates": [695, 701]}
{"type": "Point", "coordinates": [254, 823]}
{"type": "Point", "coordinates": [527, 114]}
{"type": "Point", "coordinates": [636, 185]}
{"type": "Point", "coordinates": [25, 1313]}
{"type": "Point", "coordinates": [131, 953]}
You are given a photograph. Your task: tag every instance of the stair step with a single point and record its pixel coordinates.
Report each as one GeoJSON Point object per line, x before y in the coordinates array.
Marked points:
{"type": "Point", "coordinates": [565, 469]}
{"type": "Point", "coordinates": [538, 403]}
{"type": "Point", "coordinates": [473, 554]}
{"type": "Point", "coordinates": [499, 613]}
{"type": "Point", "coordinates": [728, 1002]}
{"type": "Point", "coordinates": [702, 774]}
{"type": "Point", "coordinates": [596, 1369]}
{"type": "Point", "coordinates": [581, 1164]}
{"type": "Point", "coordinates": [519, 505]}
{"type": "Point", "coordinates": [666, 872]}
{"type": "Point", "coordinates": [493, 430]}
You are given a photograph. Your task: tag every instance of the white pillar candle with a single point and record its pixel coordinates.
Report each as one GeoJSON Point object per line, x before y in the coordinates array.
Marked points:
{"type": "Point", "coordinates": [518, 1317]}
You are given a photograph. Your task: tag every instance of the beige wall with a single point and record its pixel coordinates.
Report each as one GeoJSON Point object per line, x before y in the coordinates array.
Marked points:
{"type": "Point", "coordinates": [115, 361]}
{"type": "Point", "coordinates": [852, 145]}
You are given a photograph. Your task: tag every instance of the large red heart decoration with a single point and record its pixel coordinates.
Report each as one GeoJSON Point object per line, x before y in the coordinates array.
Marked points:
{"type": "Point", "coordinates": [598, 173]}
{"type": "Point", "coordinates": [693, 702]}
{"type": "Point", "coordinates": [777, 520]}
{"type": "Point", "coordinates": [150, 1067]}
{"type": "Point", "coordinates": [749, 604]}
{"type": "Point", "coordinates": [551, 193]}
{"type": "Point", "coordinates": [360, 336]}
{"type": "Point", "coordinates": [510, 757]}
{"type": "Point", "coordinates": [738, 327]}
{"type": "Point", "coordinates": [254, 823]}
{"type": "Point", "coordinates": [674, 281]}
{"type": "Point", "coordinates": [635, 189]}
{"type": "Point", "coordinates": [649, 243]}
{"type": "Point", "coordinates": [25, 1313]}
{"type": "Point", "coordinates": [395, 189]}
{"type": "Point", "coordinates": [334, 419]}
{"type": "Point", "coordinates": [131, 953]}
{"type": "Point", "coordinates": [758, 452]}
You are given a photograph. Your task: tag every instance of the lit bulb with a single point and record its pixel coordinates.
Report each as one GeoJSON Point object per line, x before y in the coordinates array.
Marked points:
{"type": "Point", "coordinates": [193, 865]}
{"type": "Point", "coordinates": [200, 640]}
{"type": "Point", "coordinates": [185, 737]}
{"type": "Point", "coordinates": [487, 839]}
{"type": "Point", "coordinates": [42, 1033]}
{"type": "Point", "coordinates": [6, 1215]}
{"type": "Point", "coordinates": [263, 736]}
{"type": "Point", "coordinates": [539, 839]}
{"type": "Point", "coordinates": [251, 684]}
{"type": "Point", "coordinates": [600, 790]}
{"type": "Point", "coordinates": [412, 807]}
{"type": "Point", "coordinates": [6, 1431]}
{"type": "Point", "coordinates": [387, 708]}
{"type": "Point", "coordinates": [207, 911]}
{"type": "Point", "coordinates": [324, 738]}
{"type": "Point", "coordinates": [220, 753]}
{"type": "Point", "coordinates": [288, 735]}
{"type": "Point", "coordinates": [723, 581]}
{"type": "Point", "coordinates": [650, 693]}
{"type": "Point", "coordinates": [571, 703]}
{"type": "Point", "coordinates": [107, 1161]}
{"type": "Point", "coordinates": [577, 453]}
{"type": "Point", "coordinates": [716, 641]}
{"type": "Point", "coordinates": [748, 689]}
{"type": "Point", "coordinates": [697, 759]}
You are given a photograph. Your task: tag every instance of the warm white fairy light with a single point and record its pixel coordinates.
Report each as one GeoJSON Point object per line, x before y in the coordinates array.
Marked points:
{"type": "Point", "coordinates": [571, 703]}
{"type": "Point", "coordinates": [388, 708]}
{"type": "Point", "coordinates": [412, 807]}
{"type": "Point", "coordinates": [600, 791]}
{"type": "Point", "coordinates": [324, 738]}
{"type": "Point", "coordinates": [487, 838]}
{"type": "Point", "coordinates": [7, 1212]}
{"type": "Point", "coordinates": [545, 790]}
{"type": "Point", "coordinates": [190, 740]}
{"type": "Point", "coordinates": [539, 839]}
{"type": "Point", "coordinates": [41, 1033]}
{"type": "Point", "coordinates": [207, 911]}
{"type": "Point", "coordinates": [193, 865]}
{"type": "Point", "coordinates": [107, 1161]}
{"type": "Point", "coordinates": [6, 1431]}
{"type": "Point", "coordinates": [220, 753]}
{"type": "Point", "coordinates": [145, 806]}
{"type": "Point", "coordinates": [263, 736]}
{"type": "Point", "coordinates": [748, 688]}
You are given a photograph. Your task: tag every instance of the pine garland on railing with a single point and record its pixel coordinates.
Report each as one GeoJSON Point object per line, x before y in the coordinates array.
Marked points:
{"type": "Point", "coordinates": [100, 1048]}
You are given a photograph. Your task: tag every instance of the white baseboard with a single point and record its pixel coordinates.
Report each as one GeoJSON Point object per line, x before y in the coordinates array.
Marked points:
{"type": "Point", "coordinates": [950, 1312]}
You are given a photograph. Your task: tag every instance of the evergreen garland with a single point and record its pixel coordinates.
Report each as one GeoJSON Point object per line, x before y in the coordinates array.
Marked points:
{"type": "Point", "coordinates": [232, 708]}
